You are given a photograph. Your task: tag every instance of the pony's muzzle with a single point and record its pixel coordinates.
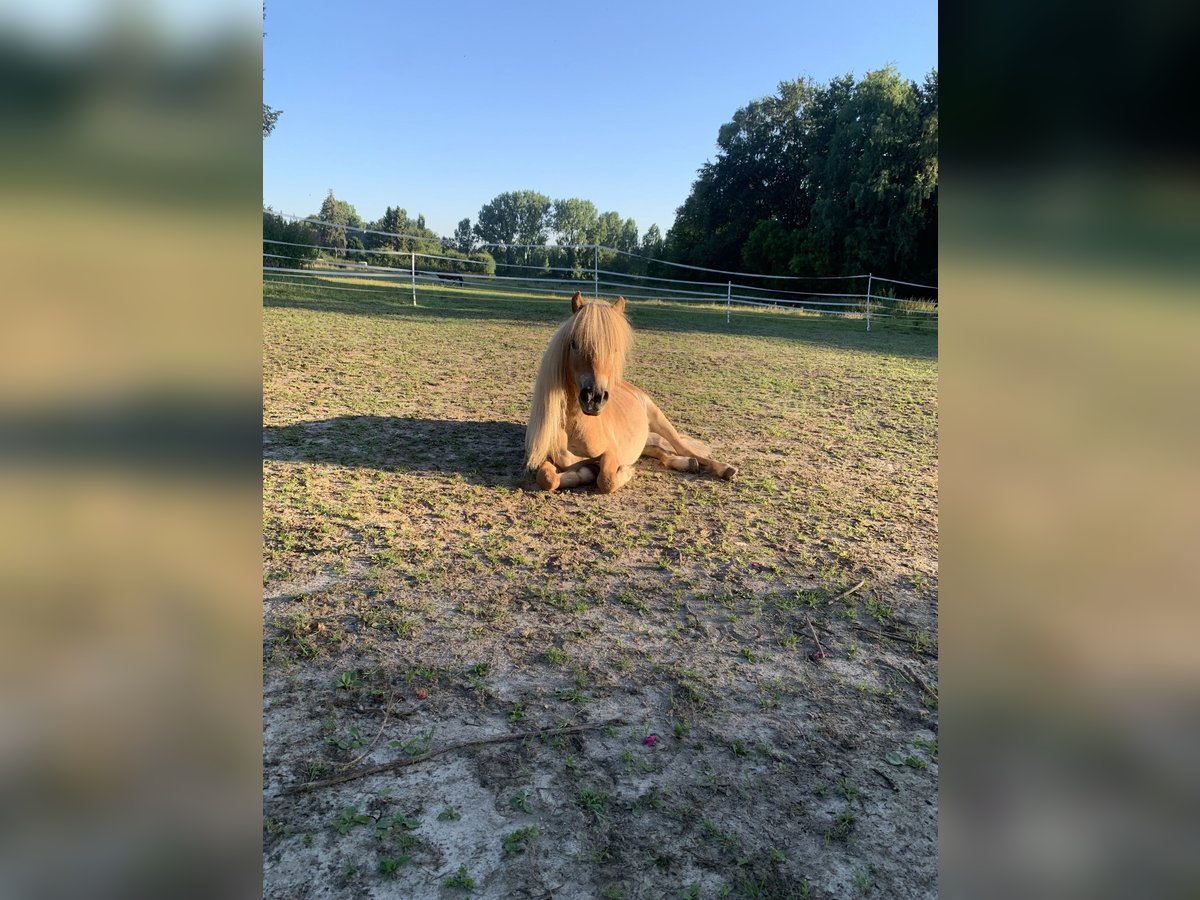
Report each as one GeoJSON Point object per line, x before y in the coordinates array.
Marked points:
{"type": "Point", "coordinates": [591, 401]}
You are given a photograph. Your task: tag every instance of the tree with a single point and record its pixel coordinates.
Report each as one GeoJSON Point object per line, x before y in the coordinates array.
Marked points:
{"type": "Point", "coordinates": [771, 247]}
{"type": "Point", "coordinates": [652, 243]}
{"type": "Point", "coordinates": [333, 233]}
{"type": "Point", "coordinates": [463, 239]}
{"type": "Point", "coordinates": [651, 250]}
{"type": "Point", "coordinates": [270, 117]}
{"type": "Point", "coordinates": [574, 221]}
{"type": "Point", "coordinates": [627, 239]}
{"type": "Point", "coordinates": [876, 177]}
{"type": "Point", "coordinates": [533, 217]}
{"type": "Point", "coordinates": [393, 223]}
{"type": "Point", "coordinates": [820, 179]}
{"type": "Point", "coordinates": [292, 243]}
{"type": "Point", "coordinates": [348, 215]}
{"type": "Point", "coordinates": [515, 217]}
{"type": "Point", "coordinates": [497, 221]}
{"type": "Point", "coordinates": [399, 232]}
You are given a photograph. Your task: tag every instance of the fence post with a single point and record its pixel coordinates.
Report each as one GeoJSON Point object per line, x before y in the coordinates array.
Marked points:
{"type": "Point", "coordinates": [414, 276]}
{"type": "Point", "coordinates": [728, 299]}
{"type": "Point", "coordinates": [595, 270]}
{"type": "Point", "coordinates": [869, 276]}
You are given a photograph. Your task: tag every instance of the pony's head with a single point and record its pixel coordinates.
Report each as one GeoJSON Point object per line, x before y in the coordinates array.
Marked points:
{"type": "Point", "coordinates": [599, 337]}
{"type": "Point", "coordinates": [584, 361]}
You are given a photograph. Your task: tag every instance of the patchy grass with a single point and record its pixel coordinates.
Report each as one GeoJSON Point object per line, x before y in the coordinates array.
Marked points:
{"type": "Point", "coordinates": [418, 593]}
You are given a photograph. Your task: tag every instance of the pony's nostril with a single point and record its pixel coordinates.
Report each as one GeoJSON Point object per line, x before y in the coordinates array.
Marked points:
{"type": "Point", "coordinates": [604, 397]}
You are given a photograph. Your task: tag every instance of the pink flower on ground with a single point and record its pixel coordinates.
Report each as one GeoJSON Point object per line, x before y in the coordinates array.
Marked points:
{"type": "Point", "coordinates": [650, 740]}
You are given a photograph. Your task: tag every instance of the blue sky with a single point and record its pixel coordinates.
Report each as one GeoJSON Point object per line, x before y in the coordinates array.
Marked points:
{"type": "Point", "coordinates": [439, 107]}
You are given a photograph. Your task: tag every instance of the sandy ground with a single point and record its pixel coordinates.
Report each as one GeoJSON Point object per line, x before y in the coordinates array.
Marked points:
{"type": "Point", "coordinates": [776, 636]}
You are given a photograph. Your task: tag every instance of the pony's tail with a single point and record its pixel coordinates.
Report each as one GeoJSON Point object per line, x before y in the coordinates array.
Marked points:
{"type": "Point", "coordinates": [547, 416]}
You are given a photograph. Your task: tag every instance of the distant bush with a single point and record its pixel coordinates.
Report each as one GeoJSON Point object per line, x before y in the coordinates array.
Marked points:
{"type": "Point", "coordinates": [297, 240]}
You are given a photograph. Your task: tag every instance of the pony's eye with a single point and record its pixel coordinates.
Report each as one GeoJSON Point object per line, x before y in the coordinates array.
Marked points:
{"type": "Point", "coordinates": [574, 345]}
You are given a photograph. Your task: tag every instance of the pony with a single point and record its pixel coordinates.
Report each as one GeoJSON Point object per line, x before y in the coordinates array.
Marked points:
{"type": "Point", "coordinates": [587, 423]}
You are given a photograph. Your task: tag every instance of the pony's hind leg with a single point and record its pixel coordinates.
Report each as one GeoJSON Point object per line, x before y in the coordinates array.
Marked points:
{"type": "Point", "coordinates": [577, 476]}
{"type": "Point", "coordinates": [657, 448]}
{"type": "Point", "coordinates": [661, 425]}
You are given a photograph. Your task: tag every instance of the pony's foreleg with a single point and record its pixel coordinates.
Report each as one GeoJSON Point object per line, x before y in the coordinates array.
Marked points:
{"type": "Point", "coordinates": [658, 448]}
{"type": "Point", "coordinates": [566, 471]}
{"type": "Point", "coordinates": [547, 477]}
{"type": "Point", "coordinates": [659, 424]}
{"type": "Point", "coordinates": [612, 476]}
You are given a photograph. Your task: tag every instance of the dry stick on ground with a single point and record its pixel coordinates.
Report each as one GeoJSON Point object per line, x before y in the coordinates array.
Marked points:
{"type": "Point", "coordinates": [881, 634]}
{"type": "Point", "coordinates": [820, 649]}
{"type": "Point", "coordinates": [875, 632]}
{"type": "Point", "coordinates": [412, 761]}
{"type": "Point", "coordinates": [844, 594]}
{"type": "Point", "coordinates": [387, 712]}
{"type": "Point", "coordinates": [912, 676]}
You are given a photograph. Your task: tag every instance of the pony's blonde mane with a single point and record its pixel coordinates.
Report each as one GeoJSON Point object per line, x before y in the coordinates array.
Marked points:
{"type": "Point", "coordinates": [600, 332]}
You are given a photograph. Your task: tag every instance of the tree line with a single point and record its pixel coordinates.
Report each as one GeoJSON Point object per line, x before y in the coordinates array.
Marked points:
{"type": "Point", "coordinates": [816, 179]}
{"type": "Point", "coordinates": [832, 179]}
{"type": "Point", "coordinates": [386, 241]}
{"type": "Point", "coordinates": [511, 236]}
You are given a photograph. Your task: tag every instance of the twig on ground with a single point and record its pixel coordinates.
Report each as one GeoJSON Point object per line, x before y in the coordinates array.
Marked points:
{"type": "Point", "coordinates": [890, 635]}
{"type": "Point", "coordinates": [412, 761]}
{"type": "Point", "coordinates": [844, 594]}
{"type": "Point", "coordinates": [912, 676]}
{"type": "Point", "coordinates": [821, 654]}
{"type": "Point", "coordinates": [387, 712]}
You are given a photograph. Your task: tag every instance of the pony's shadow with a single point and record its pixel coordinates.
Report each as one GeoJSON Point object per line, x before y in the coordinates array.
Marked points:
{"type": "Point", "coordinates": [481, 452]}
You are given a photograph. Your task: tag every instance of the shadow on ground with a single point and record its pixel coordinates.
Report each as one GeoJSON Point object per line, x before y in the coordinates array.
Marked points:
{"type": "Point", "coordinates": [482, 452]}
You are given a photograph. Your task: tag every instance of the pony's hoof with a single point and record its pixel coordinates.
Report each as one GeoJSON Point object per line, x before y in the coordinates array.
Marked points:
{"type": "Point", "coordinates": [729, 472]}
{"type": "Point", "coordinates": [548, 480]}
{"type": "Point", "coordinates": [693, 464]}
{"type": "Point", "coordinates": [606, 483]}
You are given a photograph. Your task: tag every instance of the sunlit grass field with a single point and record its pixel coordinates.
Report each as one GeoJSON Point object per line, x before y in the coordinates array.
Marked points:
{"type": "Point", "coordinates": [778, 632]}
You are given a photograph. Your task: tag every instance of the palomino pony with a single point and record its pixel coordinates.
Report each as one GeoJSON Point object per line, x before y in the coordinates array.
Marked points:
{"type": "Point", "coordinates": [589, 424]}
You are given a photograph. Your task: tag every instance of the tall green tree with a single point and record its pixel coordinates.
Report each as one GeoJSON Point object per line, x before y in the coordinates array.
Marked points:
{"type": "Point", "coordinates": [399, 232]}
{"type": "Point", "coordinates": [820, 179]}
{"type": "Point", "coordinates": [393, 222]}
{"type": "Point", "coordinates": [875, 179]}
{"type": "Point", "coordinates": [333, 233]}
{"type": "Point", "coordinates": [348, 215]}
{"type": "Point", "coordinates": [652, 242]}
{"type": "Point", "coordinates": [574, 222]}
{"type": "Point", "coordinates": [515, 217]}
{"type": "Point", "coordinates": [464, 240]}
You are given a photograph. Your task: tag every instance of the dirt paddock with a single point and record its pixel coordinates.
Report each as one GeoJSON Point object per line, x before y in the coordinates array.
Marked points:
{"type": "Point", "coordinates": [755, 661]}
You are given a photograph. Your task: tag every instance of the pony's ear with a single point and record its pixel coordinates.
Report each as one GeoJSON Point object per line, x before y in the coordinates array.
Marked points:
{"type": "Point", "coordinates": [577, 302]}
{"type": "Point", "coordinates": [619, 306]}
